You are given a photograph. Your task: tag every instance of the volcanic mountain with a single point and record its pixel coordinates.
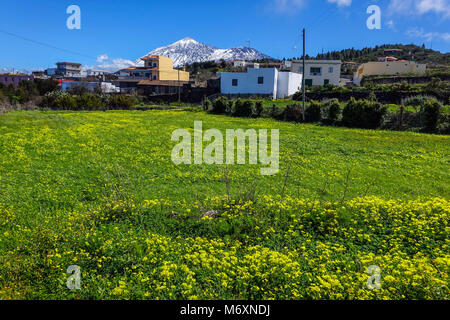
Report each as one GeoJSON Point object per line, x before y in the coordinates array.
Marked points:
{"type": "Point", "coordinates": [187, 51]}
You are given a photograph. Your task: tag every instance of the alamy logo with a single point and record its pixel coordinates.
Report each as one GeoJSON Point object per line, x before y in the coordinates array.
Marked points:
{"type": "Point", "coordinates": [74, 20]}
{"type": "Point", "coordinates": [74, 279]}
{"type": "Point", "coordinates": [374, 279]}
{"type": "Point", "coordinates": [213, 153]}
{"type": "Point", "coordinates": [374, 20]}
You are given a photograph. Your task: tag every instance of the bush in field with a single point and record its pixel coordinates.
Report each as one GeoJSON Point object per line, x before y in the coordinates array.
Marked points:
{"type": "Point", "coordinates": [416, 101]}
{"type": "Point", "coordinates": [45, 85]}
{"type": "Point", "coordinates": [332, 112]}
{"type": "Point", "coordinates": [276, 112]}
{"type": "Point", "coordinates": [313, 112]}
{"type": "Point", "coordinates": [206, 104]}
{"type": "Point", "coordinates": [121, 101]}
{"type": "Point", "coordinates": [293, 113]}
{"type": "Point", "coordinates": [59, 100]}
{"type": "Point", "coordinates": [220, 105]}
{"type": "Point", "coordinates": [258, 108]}
{"type": "Point", "coordinates": [298, 96]}
{"type": "Point", "coordinates": [431, 114]}
{"type": "Point", "coordinates": [90, 102]}
{"type": "Point", "coordinates": [363, 114]}
{"type": "Point", "coordinates": [243, 108]}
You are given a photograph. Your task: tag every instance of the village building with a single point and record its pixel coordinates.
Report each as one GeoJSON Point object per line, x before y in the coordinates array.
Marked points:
{"type": "Point", "coordinates": [155, 68]}
{"type": "Point", "coordinates": [318, 72]}
{"type": "Point", "coordinates": [14, 79]}
{"type": "Point", "coordinates": [67, 69]}
{"type": "Point", "coordinates": [260, 82]}
{"type": "Point", "coordinates": [387, 67]}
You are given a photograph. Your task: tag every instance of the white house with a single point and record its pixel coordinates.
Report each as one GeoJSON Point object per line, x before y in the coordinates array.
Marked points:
{"type": "Point", "coordinates": [267, 82]}
{"type": "Point", "coordinates": [319, 72]}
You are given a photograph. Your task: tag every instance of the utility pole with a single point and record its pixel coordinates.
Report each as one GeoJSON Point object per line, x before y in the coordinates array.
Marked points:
{"type": "Point", "coordinates": [303, 77]}
{"type": "Point", "coordinates": [179, 92]}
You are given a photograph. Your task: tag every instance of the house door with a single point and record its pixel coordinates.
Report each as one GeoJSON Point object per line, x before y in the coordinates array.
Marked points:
{"type": "Point", "coordinates": [308, 82]}
{"type": "Point", "coordinates": [326, 81]}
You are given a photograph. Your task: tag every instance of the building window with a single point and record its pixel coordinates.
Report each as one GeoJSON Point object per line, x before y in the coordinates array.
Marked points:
{"type": "Point", "coordinates": [260, 80]}
{"type": "Point", "coordinates": [330, 70]}
{"type": "Point", "coordinates": [300, 69]}
{"type": "Point", "coordinates": [316, 71]}
{"type": "Point", "coordinates": [234, 82]}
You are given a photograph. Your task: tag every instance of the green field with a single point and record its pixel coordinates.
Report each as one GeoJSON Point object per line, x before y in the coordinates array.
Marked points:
{"type": "Point", "coordinates": [99, 190]}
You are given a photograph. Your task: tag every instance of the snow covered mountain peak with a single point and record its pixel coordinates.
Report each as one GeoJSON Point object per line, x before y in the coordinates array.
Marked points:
{"type": "Point", "coordinates": [188, 50]}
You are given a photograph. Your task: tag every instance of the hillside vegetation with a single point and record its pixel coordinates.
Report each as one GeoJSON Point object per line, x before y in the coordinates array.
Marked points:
{"type": "Point", "coordinates": [420, 54]}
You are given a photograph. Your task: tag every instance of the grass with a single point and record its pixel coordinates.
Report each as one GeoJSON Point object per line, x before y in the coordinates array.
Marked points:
{"type": "Point", "coordinates": [98, 189]}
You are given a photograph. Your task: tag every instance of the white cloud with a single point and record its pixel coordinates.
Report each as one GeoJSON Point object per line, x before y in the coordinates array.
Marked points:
{"type": "Point", "coordinates": [113, 65]}
{"type": "Point", "coordinates": [420, 7]}
{"type": "Point", "coordinates": [291, 6]}
{"type": "Point", "coordinates": [437, 6]}
{"type": "Point", "coordinates": [427, 36]}
{"type": "Point", "coordinates": [391, 25]}
{"type": "Point", "coordinates": [102, 58]}
{"type": "Point", "coordinates": [341, 3]}
{"type": "Point", "coordinates": [288, 5]}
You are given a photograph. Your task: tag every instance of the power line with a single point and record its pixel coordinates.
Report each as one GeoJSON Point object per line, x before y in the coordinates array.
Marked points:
{"type": "Point", "coordinates": [46, 45]}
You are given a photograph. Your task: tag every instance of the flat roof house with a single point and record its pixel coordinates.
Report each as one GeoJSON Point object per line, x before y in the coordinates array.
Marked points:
{"type": "Point", "coordinates": [387, 67]}
{"type": "Point", "coordinates": [156, 68]}
{"type": "Point", "coordinates": [262, 82]}
{"type": "Point", "coordinates": [68, 69]}
{"type": "Point", "coordinates": [319, 72]}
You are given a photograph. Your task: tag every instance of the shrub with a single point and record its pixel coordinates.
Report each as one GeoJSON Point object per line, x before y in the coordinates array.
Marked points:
{"type": "Point", "coordinates": [89, 102]}
{"type": "Point", "coordinates": [276, 112]}
{"type": "Point", "coordinates": [206, 104]}
{"type": "Point", "coordinates": [416, 101]}
{"type": "Point", "coordinates": [259, 108]}
{"type": "Point", "coordinates": [243, 108]}
{"type": "Point", "coordinates": [431, 113]}
{"type": "Point", "coordinates": [313, 112]}
{"type": "Point", "coordinates": [293, 113]}
{"type": "Point", "coordinates": [59, 100]}
{"type": "Point", "coordinates": [332, 112]}
{"type": "Point", "coordinates": [220, 105]}
{"type": "Point", "coordinates": [363, 114]}
{"type": "Point", "coordinates": [122, 101]}
{"type": "Point", "coordinates": [46, 85]}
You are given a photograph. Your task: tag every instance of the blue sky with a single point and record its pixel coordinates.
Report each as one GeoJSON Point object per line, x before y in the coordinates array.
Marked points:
{"type": "Point", "coordinates": [122, 30]}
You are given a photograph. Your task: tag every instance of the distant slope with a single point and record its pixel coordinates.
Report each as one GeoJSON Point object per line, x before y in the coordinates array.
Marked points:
{"type": "Point", "coordinates": [188, 51]}
{"type": "Point", "coordinates": [410, 51]}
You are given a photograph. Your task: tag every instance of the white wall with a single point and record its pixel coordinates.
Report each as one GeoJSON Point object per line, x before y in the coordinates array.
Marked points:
{"type": "Point", "coordinates": [319, 80]}
{"type": "Point", "coordinates": [248, 82]}
{"type": "Point", "coordinates": [277, 84]}
{"type": "Point", "coordinates": [288, 84]}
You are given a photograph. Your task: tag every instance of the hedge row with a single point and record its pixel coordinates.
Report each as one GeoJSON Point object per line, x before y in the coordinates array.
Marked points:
{"type": "Point", "coordinates": [365, 113]}
{"type": "Point", "coordinates": [59, 100]}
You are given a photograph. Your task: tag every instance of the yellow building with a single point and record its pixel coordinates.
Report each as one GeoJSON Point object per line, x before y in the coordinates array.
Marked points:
{"type": "Point", "coordinates": [388, 68]}
{"type": "Point", "coordinates": [157, 68]}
